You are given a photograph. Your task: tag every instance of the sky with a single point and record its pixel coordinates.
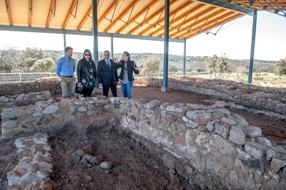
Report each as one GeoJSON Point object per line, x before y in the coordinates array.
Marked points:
{"type": "Point", "coordinates": [233, 39]}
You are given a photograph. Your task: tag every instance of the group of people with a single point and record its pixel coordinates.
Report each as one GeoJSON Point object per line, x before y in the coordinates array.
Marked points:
{"type": "Point", "coordinates": [88, 76]}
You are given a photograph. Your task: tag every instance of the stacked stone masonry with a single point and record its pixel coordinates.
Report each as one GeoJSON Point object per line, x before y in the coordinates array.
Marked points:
{"type": "Point", "coordinates": [268, 98]}
{"type": "Point", "coordinates": [213, 141]}
{"type": "Point", "coordinates": [34, 167]}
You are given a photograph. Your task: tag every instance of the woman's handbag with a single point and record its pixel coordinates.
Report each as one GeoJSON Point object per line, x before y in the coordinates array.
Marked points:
{"type": "Point", "coordinates": [78, 89]}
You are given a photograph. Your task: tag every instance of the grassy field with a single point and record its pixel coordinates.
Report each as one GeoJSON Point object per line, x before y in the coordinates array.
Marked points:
{"type": "Point", "coordinates": [258, 79]}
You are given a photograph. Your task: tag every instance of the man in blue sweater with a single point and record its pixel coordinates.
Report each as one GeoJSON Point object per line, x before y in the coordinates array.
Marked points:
{"type": "Point", "coordinates": [65, 70]}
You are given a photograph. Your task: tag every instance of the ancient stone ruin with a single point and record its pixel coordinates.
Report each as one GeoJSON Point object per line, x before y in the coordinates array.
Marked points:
{"type": "Point", "coordinates": [207, 145]}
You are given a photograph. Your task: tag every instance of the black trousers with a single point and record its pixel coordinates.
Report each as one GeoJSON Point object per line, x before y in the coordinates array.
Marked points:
{"type": "Point", "coordinates": [113, 88]}
{"type": "Point", "coordinates": [87, 92]}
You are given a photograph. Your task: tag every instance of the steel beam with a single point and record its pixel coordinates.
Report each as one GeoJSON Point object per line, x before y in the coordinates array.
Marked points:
{"type": "Point", "coordinates": [185, 57]}
{"type": "Point", "coordinates": [84, 33]}
{"type": "Point", "coordinates": [95, 31]}
{"type": "Point", "coordinates": [164, 88]}
{"type": "Point", "coordinates": [252, 47]}
{"type": "Point", "coordinates": [111, 47]}
{"type": "Point", "coordinates": [230, 6]}
{"type": "Point", "coordinates": [65, 42]}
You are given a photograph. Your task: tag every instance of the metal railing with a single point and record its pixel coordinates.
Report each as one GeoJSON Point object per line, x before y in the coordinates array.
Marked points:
{"type": "Point", "coordinates": [21, 77]}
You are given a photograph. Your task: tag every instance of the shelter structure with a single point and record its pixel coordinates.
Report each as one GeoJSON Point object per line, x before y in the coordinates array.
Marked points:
{"type": "Point", "coordinates": [165, 20]}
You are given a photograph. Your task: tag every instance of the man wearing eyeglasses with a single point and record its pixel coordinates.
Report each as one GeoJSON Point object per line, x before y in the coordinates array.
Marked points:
{"type": "Point", "coordinates": [65, 69]}
{"type": "Point", "coordinates": [107, 75]}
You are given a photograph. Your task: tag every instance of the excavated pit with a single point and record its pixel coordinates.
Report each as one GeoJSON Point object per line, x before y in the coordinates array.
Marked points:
{"type": "Point", "coordinates": [136, 163]}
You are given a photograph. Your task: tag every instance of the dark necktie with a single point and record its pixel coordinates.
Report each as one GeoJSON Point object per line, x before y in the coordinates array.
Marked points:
{"type": "Point", "coordinates": [108, 64]}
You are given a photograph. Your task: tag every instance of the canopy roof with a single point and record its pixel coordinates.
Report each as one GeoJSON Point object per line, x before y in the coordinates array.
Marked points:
{"type": "Point", "coordinates": [135, 17]}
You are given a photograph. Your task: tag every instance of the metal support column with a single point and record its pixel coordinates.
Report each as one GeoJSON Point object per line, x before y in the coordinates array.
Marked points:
{"type": "Point", "coordinates": [95, 31]}
{"type": "Point", "coordinates": [185, 57]}
{"type": "Point", "coordinates": [164, 88]}
{"type": "Point", "coordinates": [111, 47]}
{"type": "Point", "coordinates": [65, 42]}
{"type": "Point", "coordinates": [252, 47]}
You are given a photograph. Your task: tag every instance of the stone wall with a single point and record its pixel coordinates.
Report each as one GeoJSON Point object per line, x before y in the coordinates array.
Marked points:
{"type": "Point", "coordinates": [52, 115]}
{"type": "Point", "coordinates": [214, 141]}
{"type": "Point", "coordinates": [269, 98]}
{"type": "Point", "coordinates": [53, 85]}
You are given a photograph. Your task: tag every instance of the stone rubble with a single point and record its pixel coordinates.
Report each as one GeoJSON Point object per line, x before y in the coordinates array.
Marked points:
{"type": "Point", "coordinates": [34, 167]}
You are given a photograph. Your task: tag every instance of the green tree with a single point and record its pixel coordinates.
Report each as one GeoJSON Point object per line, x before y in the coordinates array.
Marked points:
{"type": "Point", "coordinates": [8, 58]}
{"type": "Point", "coordinates": [211, 64]}
{"type": "Point", "coordinates": [280, 67]}
{"type": "Point", "coordinates": [29, 56]}
{"type": "Point", "coordinates": [150, 65]}
{"type": "Point", "coordinates": [44, 65]}
{"type": "Point", "coordinates": [173, 68]}
{"type": "Point", "coordinates": [223, 65]}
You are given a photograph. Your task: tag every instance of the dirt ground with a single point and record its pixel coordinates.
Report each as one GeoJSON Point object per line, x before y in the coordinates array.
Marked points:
{"type": "Point", "coordinates": [134, 166]}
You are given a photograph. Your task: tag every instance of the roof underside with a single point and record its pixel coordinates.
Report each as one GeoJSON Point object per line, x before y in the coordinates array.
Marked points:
{"type": "Point", "coordinates": [135, 17]}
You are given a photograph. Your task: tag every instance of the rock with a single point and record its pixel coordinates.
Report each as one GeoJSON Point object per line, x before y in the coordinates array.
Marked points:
{"type": "Point", "coordinates": [191, 124]}
{"type": "Point", "coordinates": [9, 124]}
{"type": "Point", "coordinates": [153, 104]}
{"type": "Point", "coordinates": [210, 125]}
{"type": "Point", "coordinates": [96, 159]}
{"type": "Point", "coordinates": [222, 130]}
{"type": "Point", "coordinates": [88, 179]}
{"type": "Point", "coordinates": [28, 178]}
{"type": "Point", "coordinates": [79, 152]}
{"type": "Point", "coordinates": [201, 118]}
{"type": "Point", "coordinates": [270, 154]}
{"type": "Point", "coordinates": [252, 131]}
{"type": "Point", "coordinates": [13, 178]}
{"type": "Point", "coordinates": [4, 99]}
{"type": "Point", "coordinates": [170, 108]}
{"type": "Point", "coordinates": [106, 165]}
{"type": "Point", "coordinates": [255, 149]}
{"type": "Point", "coordinates": [264, 141]}
{"type": "Point", "coordinates": [8, 113]}
{"type": "Point", "coordinates": [37, 114]}
{"type": "Point", "coordinates": [236, 135]}
{"type": "Point", "coordinates": [251, 163]}
{"type": "Point", "coordinates": [50, 109]}
{"type": "Point", "coordinates": [20, 98]}
{"type": "Point", "coordinates": [279, 149]}
{"type": "Point", "coordinates": [229, 121]}
{"type": "Point", "coordinates": [277, 163]}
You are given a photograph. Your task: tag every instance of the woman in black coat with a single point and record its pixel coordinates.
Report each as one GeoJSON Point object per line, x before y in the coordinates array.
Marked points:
{"type": "Point", "coordinates": [128, 67]}
{"type": "Point", "coordinates": [86, 73]}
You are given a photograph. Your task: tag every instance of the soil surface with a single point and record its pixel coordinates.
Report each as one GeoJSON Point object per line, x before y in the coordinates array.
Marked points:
{"type": "Point", "coordinates": [134, 166]}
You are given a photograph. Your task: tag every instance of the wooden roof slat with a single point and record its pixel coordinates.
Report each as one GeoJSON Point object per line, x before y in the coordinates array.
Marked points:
{"type": "Point", "coordinates": [138, 15]}
{"type": "Point", "coordinates": [83, 20]}
{"type": "Point", "coordinates": [224, 20]}
{"type": "Point", "coordinates": [134, 2]}
{"type": "Point", "coordinates": [201, 20]}
{"type": "Point", "coordinates": [152, 16]}
{"type": "Point", "coordinates": [9, 13]}
{"type": "Point", "coordinates": [29, 13]}
{"type": "Point", "coordinates": [71, 9]}
{"type": "Point", "coordinates": [190, 20]}
{"type": "Point", "coordinates": [197, 8]}
{"type": "Point", "coordinates": [110, 8]}
{"type": "Point", "coordinates": [51, 10]}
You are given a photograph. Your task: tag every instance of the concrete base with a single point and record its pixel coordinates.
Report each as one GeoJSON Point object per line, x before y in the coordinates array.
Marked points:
{"type": "Point", "coordinates": [165, 89]}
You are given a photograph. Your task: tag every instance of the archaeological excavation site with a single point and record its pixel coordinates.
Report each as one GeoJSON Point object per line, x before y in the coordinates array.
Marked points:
{"type": "Point", "coordinates": [202, 134]}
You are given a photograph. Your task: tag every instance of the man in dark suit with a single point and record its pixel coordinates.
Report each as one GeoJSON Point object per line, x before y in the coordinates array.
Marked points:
{"type": "Point", "coordinates": [107, 75]}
